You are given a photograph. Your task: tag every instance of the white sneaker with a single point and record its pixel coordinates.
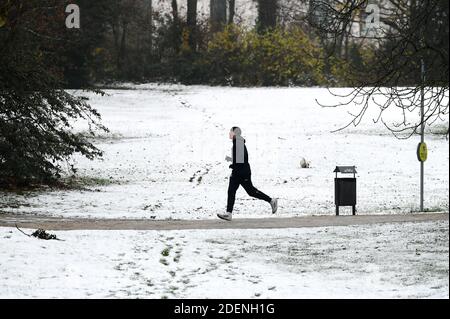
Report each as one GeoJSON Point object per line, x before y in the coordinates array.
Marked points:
{"type": "Point", "coordinates": [274, 204]}
{"type": "Point", "coordinates": [226, 216]}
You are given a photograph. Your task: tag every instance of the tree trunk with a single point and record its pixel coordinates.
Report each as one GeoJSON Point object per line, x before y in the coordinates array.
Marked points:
{"type": "Point", "coordinates": [348, 34]}
{"type": "Point", "coordinates": [175, 27]}
{"type": "Point", "coordinates": [174, 10]}
{"type": "Point", "coordinates": [267, 15]}
{"type": "Point", "coordinates": [192, 23]}
{"type": "Point", "coordinates": [218, 14]}
{"type": "Point", "coordinates": [231, 11]}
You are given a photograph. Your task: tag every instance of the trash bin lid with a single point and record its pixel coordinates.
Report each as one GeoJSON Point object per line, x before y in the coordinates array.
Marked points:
{"type": "Point", "coordinates": [345, 169]}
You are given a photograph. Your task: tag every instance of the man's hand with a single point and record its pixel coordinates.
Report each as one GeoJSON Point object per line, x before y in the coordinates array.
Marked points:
{"type": "Point", "coordinates": [228, 159]}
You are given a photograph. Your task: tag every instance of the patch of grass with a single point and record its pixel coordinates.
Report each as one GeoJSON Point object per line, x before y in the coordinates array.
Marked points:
{"type": "Point", "coordinates": [165, 252]}
{"type": "Point", "coordinates": [113, 86]}
{"type": "Point", "coordinates": [214, 241]}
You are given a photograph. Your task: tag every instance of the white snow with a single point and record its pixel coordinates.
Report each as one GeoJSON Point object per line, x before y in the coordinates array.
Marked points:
{"type": "Point", "coordinates": [409, 260]}
{"type": "Point", "coordinates": [165, 157]}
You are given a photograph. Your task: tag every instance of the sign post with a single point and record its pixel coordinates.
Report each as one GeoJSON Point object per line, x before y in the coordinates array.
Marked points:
{"type": "Point", "coordinates": [422, 151]}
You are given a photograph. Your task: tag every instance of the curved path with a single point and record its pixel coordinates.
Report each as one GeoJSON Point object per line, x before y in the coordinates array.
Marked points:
{"type": "Point", "coordinates": [60, 223]}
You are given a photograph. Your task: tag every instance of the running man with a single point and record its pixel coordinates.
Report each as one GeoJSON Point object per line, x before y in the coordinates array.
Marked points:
{"type": "Point", "coordinates": [241, 175]}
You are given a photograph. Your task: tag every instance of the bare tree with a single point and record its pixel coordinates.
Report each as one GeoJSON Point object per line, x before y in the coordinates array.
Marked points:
{"type": "Point", "coordinates": [192, 23]}
{"type": "Point", "coordinates": [409, 32]}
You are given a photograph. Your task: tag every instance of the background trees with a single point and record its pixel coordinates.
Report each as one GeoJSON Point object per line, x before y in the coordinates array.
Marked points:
{"type": "Point", "coordinates": [287, 42]}
{"type": "Point", "coordinates": [36, 114]}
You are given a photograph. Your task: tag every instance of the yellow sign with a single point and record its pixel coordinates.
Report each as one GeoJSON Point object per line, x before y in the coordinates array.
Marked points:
{"type": "Point", "coordinates": [422, 152]}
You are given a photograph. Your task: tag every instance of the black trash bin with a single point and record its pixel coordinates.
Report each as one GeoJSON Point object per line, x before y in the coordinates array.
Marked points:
{"type": "Point", "coordinates": [345, 188]}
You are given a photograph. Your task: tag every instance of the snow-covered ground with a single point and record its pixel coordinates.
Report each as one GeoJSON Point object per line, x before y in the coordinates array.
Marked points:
{"type": "Point", "coordinates": [408, 260]}
{"type": "Point", "coordinates": [164, 157]}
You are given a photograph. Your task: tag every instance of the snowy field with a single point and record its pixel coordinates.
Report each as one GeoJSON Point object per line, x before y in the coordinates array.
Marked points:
{"type": "Point", "coordinates": [408, 260]}
{"type": "Point", "coordinates": [164, 157]}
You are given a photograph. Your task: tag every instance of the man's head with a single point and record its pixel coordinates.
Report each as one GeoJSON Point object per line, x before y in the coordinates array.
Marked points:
{"type": "Point", "coordinates": [235, 131]}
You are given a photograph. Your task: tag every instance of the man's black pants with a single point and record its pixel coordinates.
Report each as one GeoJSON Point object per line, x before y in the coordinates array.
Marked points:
{"type": "Point", "coordinates": [237, 178]}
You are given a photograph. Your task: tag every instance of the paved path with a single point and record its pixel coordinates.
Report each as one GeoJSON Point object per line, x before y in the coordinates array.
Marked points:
{"type": "Point", "coordinates": [55, 223]}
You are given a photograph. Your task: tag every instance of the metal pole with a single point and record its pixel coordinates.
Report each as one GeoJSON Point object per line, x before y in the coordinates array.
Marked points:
{"type": "Point", "coordinates": [422, 131]}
